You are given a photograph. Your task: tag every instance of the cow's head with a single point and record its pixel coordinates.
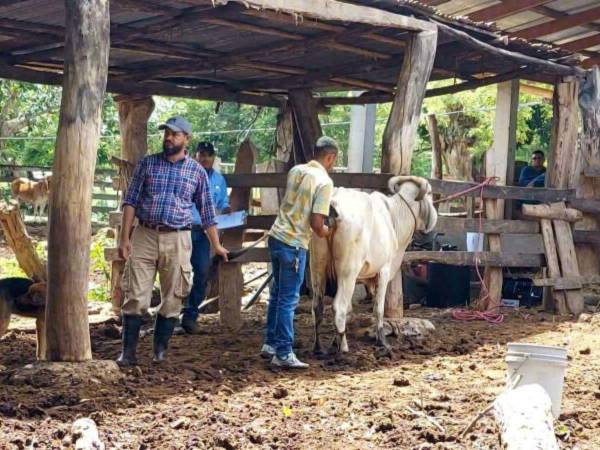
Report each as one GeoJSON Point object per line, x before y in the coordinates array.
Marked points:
{"type": "Point", "coordinates": [35, 296]}
{"type": "Point", "coordinates": [416, 190]}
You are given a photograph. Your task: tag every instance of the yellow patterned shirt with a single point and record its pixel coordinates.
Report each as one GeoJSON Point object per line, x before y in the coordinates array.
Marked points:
{"type": "Point", "coordinates": [308, 191]}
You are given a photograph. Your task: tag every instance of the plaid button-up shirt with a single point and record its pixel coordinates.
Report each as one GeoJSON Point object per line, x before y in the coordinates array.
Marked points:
{"type": "Point", "coordinates": [163, 192]}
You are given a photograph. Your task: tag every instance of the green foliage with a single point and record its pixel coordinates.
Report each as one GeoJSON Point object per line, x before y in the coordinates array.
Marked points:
{"type": "Point", "coordinates": [9, 267]}
{"type": "Point", "coordinates": [98, 265]}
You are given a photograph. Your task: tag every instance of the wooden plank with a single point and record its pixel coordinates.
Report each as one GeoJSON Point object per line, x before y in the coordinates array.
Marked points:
{"type": "Point", "coordinates": [587, 205]}
{"type": "Point", "coordinates": [102, 209]}
{"type": "Point", "coordinates": [559, 299]}
{"type": "Point", "coordinates": [586, 237]}
{"type": "Point", "coordinates": [106, 197]}
{"type": "Point", "coordinates": [521, 243]}
{"type": "Point", "coordinates": [493, 259]}
{"type": "Point", "coordinates": [337, 11]}
{"type": "Point", "coordinates": [504, 9]}
{"type": "Point", "coordinates": [570, 21]}
{"type": "Point", "coordinates": [567, 283]}
{"type": "Point", "coordinates": [379, 181]}
{"type": "Point", "coordinates": [568, 263]}
{"type": "Point", "coordinates": [496, 259]}
{"type": "Point", "coordinates": [497, 226]}
{"type": "Point", "coordinates": [400, 133]}
{"type": "Point", "coordinates": [554, 211]}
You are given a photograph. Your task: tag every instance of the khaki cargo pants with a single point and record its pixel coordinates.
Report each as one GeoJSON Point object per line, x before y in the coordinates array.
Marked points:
{"type": "Point", "coordinates": [166, 252]}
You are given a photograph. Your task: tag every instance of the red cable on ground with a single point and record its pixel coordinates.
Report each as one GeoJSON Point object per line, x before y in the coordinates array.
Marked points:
{"type": "Point", "coordinates": [465, 314]}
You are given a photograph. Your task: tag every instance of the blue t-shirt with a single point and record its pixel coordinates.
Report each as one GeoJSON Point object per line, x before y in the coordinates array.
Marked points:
{"type": "Point", "coordinates": [531, 174]}
{"type": "Point", "coordinates": [218, 189]}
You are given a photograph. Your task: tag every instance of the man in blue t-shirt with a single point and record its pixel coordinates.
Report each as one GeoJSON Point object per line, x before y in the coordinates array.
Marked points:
{"type": "Point", "coordinates": [534, 175]}
{"type": "Point", "coordinates": [205, 155]}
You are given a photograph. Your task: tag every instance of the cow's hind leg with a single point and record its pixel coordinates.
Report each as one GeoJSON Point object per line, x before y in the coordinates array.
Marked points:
{"type": "Point", "coordinates": [317, 310]}
{"type": "Point", "coordinates": [40, 325]}
{"type": "Point", "coordinates": [342, 305]}
{"type": "Point", "coordinates": [382, 285]}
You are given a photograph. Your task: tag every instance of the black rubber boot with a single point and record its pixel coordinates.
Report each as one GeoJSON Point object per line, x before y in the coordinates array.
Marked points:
{"type": "Point", "coordinates": [163, 330]}
{"type": "Point", "coordinates": [190, 325]}
{"type": "Point", "coordinates": [130, 336]}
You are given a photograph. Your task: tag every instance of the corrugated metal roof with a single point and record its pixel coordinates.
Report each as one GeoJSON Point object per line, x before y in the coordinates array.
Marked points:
{"type": "Point", "coordinates": [546, 13]}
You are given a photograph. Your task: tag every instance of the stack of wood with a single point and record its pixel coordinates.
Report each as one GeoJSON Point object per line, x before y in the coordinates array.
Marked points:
{"type": "Point", "coordinates": [563, 269]}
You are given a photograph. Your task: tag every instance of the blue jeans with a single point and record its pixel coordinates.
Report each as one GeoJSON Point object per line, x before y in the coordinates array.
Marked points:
{"type": "Point", "coordinates": [288, 273]}
{"type": "Point", "coordinates": [201, 263]}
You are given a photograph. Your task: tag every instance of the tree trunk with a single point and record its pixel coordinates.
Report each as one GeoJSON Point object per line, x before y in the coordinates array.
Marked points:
{"type": "Point", "coordinates": [307, 128]}
{"type": "Point", "coordinates": [589, 186]}
{"type": "Point", "coordinates": [499, 162]}
{"type": "Point", "coordinates": [19, 241]}
{"type": "Point", "coordinates": [134, 112]}
{"type": "Point", "coordinates": [84, 84]}
{"type": "Point", "coordinates": [400, 134]}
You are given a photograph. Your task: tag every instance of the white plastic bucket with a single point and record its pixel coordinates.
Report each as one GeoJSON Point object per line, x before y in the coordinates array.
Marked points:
{"type": "Point", "coordinates": [474, 242]}
{"type": "Point", "coordinates": [540, 364]}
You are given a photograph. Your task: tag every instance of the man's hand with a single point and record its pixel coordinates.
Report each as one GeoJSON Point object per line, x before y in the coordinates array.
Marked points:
{"type": "Point", "coordinates": [222, 252]}
{"type": "Point", "coordinates": [125, 249]}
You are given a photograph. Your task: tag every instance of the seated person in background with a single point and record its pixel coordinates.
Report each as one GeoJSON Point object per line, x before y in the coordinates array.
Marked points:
{"type": "Point", "coordinates": [205, 155]}
{"type": "Point", "coordinates": [534, 175]}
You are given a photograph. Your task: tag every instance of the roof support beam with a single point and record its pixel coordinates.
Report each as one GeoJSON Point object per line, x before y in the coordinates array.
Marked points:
{"type": "Point", "coordinates": [569, 21]}
{"type": "Point", "coordinates": [504, 9]}
{"type": "Point", "coordinates": [519, 58]}
{"type": "Point", "coordinates": [582, 44]}
{"type": "Point", "coordinates": [338, 11]}
{"type": "Point", "coordinates": [374, 97]}
{"type": "Point", "coordinates": [152, 88]}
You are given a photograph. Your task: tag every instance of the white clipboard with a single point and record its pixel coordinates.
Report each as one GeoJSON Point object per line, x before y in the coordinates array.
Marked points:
{"type": "Point", "coordinates": [231, 220]}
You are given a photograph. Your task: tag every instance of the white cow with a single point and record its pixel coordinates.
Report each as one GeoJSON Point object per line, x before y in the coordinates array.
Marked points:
{"type": "Point", "coordinates": [372, 232]}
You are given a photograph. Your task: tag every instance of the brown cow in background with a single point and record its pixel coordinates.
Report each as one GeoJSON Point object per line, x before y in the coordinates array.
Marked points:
{"type": "Point", "coordinates": [32, 192]}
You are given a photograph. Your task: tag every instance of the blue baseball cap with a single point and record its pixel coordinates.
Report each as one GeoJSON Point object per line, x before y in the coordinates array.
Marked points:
{"type": "Point", "coordinates": [177, 124]}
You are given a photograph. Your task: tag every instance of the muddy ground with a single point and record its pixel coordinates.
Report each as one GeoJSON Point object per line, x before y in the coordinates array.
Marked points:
{"type": "Point", "coordinates": [217, 393]}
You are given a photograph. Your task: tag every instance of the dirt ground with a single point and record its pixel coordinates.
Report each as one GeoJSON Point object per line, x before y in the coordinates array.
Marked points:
{"type": "Point", "coordinates": [217, 393]}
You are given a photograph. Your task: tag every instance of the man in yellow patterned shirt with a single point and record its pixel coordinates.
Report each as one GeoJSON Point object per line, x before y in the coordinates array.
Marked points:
{"type": "Point", "coordinates": [305, 207]}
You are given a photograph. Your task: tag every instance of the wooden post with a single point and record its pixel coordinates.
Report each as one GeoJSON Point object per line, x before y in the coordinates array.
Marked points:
{"type": "Point", "coordinates": [134, 112]}
{"type": "Point", "coordinates": [563, 155]}
{"type": "Point", "coordinates": [361, 138]}
{"type": "Point", "coordinates": [230, 274]}
{"type": "Point", "coordinates": [436, 147]}
{"type": "Point", "coordinates": [19, 241]}
{"type": "Point", "coordinates": [589, 163]}
{"type": "Point", "coordinates": [499, 161]}
{"type": "Point", "coordinates": [307, 128]}
{"type": "Point", "coordinates": [399, 136]}
{"type": "Point", "coordinates": [69, 236]}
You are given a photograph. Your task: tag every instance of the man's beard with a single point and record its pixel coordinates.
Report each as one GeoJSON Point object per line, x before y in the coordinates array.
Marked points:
{"type": "Point", "coordinates": [172, 150]}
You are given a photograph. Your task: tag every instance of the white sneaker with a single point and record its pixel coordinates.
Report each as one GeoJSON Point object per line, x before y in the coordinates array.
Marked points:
{"type": "Point", "coordinates": [291, 361]}
{"type": "Point", "coordinates": [267, 352]}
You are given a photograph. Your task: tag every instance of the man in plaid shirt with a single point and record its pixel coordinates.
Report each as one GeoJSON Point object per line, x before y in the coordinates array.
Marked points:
{"type": "Point", "coordinates": [161, 194]}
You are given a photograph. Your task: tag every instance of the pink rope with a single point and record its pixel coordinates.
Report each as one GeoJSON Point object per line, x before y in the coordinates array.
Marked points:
{"type": "Point", "coordinates": [463, 314]}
